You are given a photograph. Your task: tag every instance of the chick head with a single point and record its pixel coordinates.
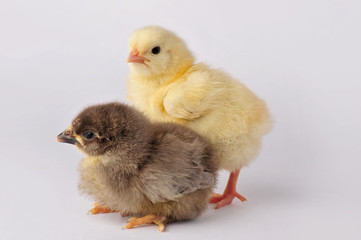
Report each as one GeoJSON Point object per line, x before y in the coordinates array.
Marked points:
{"type": "Point", "coordinates": [103, 129]}
{"type": "Point", "coordinates": [155, 51]}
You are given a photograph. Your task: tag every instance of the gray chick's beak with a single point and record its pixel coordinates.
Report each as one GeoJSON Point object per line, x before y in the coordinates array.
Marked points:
{"type": "Point", "coordinates": [65, 137]}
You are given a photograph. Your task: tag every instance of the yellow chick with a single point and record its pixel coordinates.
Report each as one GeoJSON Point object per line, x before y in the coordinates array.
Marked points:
{"type": "Point", "coordinates": [167, 85]}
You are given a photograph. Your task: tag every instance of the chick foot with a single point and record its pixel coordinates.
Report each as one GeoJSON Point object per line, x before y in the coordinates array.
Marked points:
{"type": "Point", "coordinates": [225, 199]}
{"type": "Point", "coordinates": [149, 219]}
{"type": "Point", "coordinates": [229, 194]}
{"type": "Point", "coordinates": [100, 209]}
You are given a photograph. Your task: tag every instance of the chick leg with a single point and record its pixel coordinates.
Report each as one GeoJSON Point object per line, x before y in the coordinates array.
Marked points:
{"type": "Point", "coordinates": [229, 193]}
{"type": "Point", "coordinates": [135, 221]}
{"type": "Point", "coordinates": [100, 209]}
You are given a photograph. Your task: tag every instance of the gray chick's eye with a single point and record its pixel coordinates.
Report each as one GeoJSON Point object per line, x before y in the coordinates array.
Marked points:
{"type": "Point", "coordinates": [88, 135]}
{"type": "Point", "coordinates": [156, 50]}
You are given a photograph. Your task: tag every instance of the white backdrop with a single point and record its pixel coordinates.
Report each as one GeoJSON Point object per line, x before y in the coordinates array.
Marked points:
{"type": "Point", "coordinates": [302, 57]}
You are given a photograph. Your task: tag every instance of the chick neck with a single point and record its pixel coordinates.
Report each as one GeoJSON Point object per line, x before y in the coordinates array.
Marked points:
{"type": "Point", "coordinates": [181, 71]}
{"type": "Point", "coordinates": [168, 77]}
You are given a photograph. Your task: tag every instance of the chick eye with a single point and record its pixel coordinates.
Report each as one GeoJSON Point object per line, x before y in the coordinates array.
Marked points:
{"type": "Point", "coordinates": [156, 50]}
{"type": "Point", "coordinates": [88, 135]}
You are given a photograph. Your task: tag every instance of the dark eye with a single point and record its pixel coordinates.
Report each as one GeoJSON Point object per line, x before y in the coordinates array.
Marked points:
{"type": "Point", "coordinates": [156, 50]}
{"type": "Point", "coordinates": [88, 135]}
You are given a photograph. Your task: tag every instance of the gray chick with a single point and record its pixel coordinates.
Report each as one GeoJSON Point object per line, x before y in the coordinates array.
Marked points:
{"type": "Point", "coordinates": [162, 172]}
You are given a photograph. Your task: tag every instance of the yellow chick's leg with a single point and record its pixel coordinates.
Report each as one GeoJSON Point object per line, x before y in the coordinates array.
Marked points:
{"type": "Point", "coordinates": [229, 193]}
{"type": "Point", "coordinates": [135, 221]}
{"type": "Point", "coordinates": [100, 209]}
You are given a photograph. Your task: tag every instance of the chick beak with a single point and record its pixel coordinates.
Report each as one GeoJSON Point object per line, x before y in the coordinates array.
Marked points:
{"type": "Point", "coordinates": [134, 57]}
{"type": "Point", "coordinates": [66, 137]}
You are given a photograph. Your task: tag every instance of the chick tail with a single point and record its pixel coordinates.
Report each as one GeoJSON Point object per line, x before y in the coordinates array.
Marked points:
{"type": "Point", "coordinates": [148, 219]}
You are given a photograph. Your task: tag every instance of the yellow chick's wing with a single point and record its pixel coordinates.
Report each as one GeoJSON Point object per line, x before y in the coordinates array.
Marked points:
{"type": "Point", "coordinates": [189, 98]}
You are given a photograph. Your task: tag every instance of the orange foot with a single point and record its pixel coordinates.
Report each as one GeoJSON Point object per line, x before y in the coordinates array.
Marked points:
{"type": "Point", "coordinates": [135, 221]}
{"type": "Point", "coordinates": [230, 192]}
{"type": "Point", "coordinates": [100, 209]}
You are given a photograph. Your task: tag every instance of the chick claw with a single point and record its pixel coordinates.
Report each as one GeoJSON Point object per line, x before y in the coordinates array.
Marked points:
{"type": "Point", "coordinates": [100, 209]}
{"type": "Point", "coordinates": [225, 199]}
{"type": "Point", "coordinates": [149, 219]}
{"type": "Point", "coordinates": [229, 193]}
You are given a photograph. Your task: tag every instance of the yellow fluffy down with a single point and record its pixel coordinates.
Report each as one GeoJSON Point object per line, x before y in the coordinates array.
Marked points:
{"type": "Point", "coordinates": [206, 100]}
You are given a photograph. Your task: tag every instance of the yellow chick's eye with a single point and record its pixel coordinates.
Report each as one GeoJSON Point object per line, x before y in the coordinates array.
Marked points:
{"type": "Point", "coordinates": [156, 50]}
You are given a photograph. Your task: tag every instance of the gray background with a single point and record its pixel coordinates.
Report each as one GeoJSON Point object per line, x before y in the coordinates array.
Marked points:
{"type": "Point", "coordinates": [302, 57]}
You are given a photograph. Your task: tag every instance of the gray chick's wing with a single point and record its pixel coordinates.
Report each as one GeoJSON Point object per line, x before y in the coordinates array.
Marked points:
{"type": "Point", "coordinates": [175, 174]}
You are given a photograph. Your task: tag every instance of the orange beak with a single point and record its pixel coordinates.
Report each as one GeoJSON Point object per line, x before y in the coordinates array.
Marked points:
{"type": "Point", "coordinates": [134, 57]}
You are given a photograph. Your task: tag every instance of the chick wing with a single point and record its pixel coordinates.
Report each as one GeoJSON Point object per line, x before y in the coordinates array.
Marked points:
{"type": "Point", "coordinates": [190, 98]}
{"type": "Point", "coordinates": [166, 178]}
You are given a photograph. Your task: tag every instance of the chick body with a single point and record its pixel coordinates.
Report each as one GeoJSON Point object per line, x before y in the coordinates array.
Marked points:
{"type": "Point", "coordinates": [206, 100]}
{"type": "Point", "coordinates": [139, 168]}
